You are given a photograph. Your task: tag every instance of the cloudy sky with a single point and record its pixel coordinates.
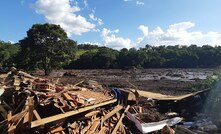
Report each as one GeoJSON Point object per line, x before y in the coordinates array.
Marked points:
{"type": "Point", "coordinates": [118, 23]}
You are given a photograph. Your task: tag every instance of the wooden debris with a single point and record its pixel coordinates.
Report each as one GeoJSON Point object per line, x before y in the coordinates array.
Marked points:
{"type": "Point", "coordinates": [67, 114]}
{"type": "Point", "coordinates": [114, 111]}
{"type": "Point", "coordinates": [56, 130]}
{"type": "Point", "coordinates": [120, 120]}
{"type": "Point", "coordinates": [35, 105]}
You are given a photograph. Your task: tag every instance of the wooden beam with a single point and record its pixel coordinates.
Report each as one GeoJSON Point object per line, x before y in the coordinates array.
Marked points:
{"type": "Point", "coordinates": [93, 127]}
{"type": "Point", "coordinates": [9, 118]}
{"type": "Point", "coordinates": [120, 120]}
{"type": "Point", "coordinates": [67, 114]}
{"type": "Point", "coordinates": [14, 118]}
{"type": "Point", "coordinates": [36, 115]}
{"type": "Point", "coordinates": [92, 113]}
{"type": "Point", "coordinates": [111, 113]}
{"type": "Point", "coordinates": [56, 129]}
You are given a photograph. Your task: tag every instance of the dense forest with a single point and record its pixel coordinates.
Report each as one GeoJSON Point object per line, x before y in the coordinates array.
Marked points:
{"type": "Point", "coordinates": [93, 56]}
{"type": "Point", "coordinates": [47, 47]}
{"type": "Point", "coordinates": [177, 56]}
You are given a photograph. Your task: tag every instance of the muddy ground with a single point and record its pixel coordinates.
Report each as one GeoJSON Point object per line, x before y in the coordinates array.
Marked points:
{"type": "Point", "coordinates": [166, 81]}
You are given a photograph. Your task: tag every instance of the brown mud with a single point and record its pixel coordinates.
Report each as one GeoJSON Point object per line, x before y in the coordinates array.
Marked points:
{"type": "Point", "coordinates": [165, 81]}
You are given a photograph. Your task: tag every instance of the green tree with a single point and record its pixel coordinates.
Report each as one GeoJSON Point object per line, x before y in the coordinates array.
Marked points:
{"type": "Point", "coordinates": [105, 58]}
{"type": "Point", "coordinates": [84, 62]}
{"type": "Point", "coordinates": [46, 47]}
{"type": "Point", "coordinates": [7, 53]}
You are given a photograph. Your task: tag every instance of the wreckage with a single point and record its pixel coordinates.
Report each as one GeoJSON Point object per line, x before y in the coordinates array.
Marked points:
{"type": "Point", "coordinates": [36, 105]}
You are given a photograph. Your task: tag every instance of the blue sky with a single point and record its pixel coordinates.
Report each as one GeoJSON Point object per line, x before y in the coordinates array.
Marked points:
{"type": "Point", "coordinates": [118, 23]}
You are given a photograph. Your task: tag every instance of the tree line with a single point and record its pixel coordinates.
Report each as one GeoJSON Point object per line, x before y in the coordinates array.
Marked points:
{"type": "Point", "coordinates": [48, 47]}
{"type": "Point", "coordinates": [177, 56]}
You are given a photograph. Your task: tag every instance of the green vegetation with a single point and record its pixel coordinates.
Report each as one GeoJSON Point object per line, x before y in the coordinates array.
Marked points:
{"type": "Point", "coordinates": [8, 52]}
{"type": "Point", "coordinates": [47, 47]}
{"type": "Point", "coordinates": [209, 83]}
{"type": "Point", "coordinates": [192, 56]}
{"type": "Point", "coordinates": [80, 52]}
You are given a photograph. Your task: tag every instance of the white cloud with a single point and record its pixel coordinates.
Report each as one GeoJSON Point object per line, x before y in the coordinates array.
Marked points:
{"type": "Point", "coordinates": [140, 3]}
{"type": "Point", "coordinates": [113, 41]}
{"type": "Point", "coordinates": [96, 30]}
{"type": "Point", "coordinates": [91, 43]}
{"type": "Point", "coordinates": [144, 29]}
{"type": "Point", "coordinates": [98, 20]}
{"type": "Point", "coordinates": [178, 34]}
{"type": "Point", "coordinates": [63, 13]}
{"type": "Point", "coordinates": [12, 42]}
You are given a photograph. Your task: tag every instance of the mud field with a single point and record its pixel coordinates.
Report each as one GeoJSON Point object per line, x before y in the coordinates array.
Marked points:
{"type": "Point", "coordinates": [165, 81]}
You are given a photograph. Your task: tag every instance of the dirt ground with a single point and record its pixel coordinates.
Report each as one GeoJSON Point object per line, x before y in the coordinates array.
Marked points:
{"type": "Point", "coordinates": [165, 81]}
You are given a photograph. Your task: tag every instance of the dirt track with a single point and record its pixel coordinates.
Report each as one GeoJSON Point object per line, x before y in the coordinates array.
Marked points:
{"type": "Point", "coordinates": [165, 81]}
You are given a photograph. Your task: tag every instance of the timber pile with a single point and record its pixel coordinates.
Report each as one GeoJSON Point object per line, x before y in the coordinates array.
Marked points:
{"type": "Point", "coordinates": [34, 105]}
{"type": "Point", "coordinates": [30, 104]}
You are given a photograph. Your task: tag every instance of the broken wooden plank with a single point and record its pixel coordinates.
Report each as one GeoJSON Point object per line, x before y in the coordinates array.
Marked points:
{"type": "Point", "coordinates": [93, 127]}
{"type": "Point", "coordinates": [104, 130]}
{"type": "Point", "coordinates": [30, 106]}
{"type": "Point", "coordinates": [9, 118]}
{"type": "Point", "coordinates": [140, 109]}
{"type": "Point", "coordinates": [57, 129]}
{"type": "Point", "coordinates": [114, 111]}
{"type": "Point", "coordinates": [67, 114]}
{"type": "Point", "coordinates": [92, 113]}
{"type": "Point", "coordinates": [122, 129]}
{"type": "Point", "coordinates": [36, 115]}
{"type": "Point", "coordinates": [74, 125]}
{"type": "Point", "coordinates": [16, 124]}
{"type": "Point", "coordinates": [68, 97]}
{"type": "Point", "coordinates": [120, 120]}
{"type": "Point", "coordinates": [30, 109]}
{"type": "Point", "coordinates": [11, 130]}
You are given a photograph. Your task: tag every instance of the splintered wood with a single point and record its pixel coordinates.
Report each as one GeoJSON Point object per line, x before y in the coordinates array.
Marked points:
{"type": "Point", "coordinates": [35, 105]}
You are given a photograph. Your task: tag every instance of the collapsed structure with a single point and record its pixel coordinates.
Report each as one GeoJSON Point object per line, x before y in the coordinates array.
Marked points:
{"type": "Point", "coordinates": [35, 105]}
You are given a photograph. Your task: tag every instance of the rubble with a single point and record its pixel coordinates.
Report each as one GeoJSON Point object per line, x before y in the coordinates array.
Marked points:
{"type": "Point", "coordinates": [30, 104]}
{"type": "Point", "coordinates": [35, 105]}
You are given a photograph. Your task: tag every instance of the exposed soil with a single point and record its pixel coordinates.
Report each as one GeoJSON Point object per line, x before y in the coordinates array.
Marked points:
{"type": "Point", "coordinates": [150, 116]}
{"type": "Point", "coordinates": [165, 81]}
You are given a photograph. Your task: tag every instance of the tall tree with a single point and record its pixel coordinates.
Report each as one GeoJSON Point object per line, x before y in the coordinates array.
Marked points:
{"type": "Point", "coordinates": [46, 47]}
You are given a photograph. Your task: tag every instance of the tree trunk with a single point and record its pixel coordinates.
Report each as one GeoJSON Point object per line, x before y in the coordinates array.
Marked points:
{"type": "Point", "coordinates": [47, 72]}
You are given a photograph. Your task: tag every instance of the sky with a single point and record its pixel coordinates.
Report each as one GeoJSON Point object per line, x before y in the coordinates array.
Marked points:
{"type": "Point", "coordinates": [117, 23]}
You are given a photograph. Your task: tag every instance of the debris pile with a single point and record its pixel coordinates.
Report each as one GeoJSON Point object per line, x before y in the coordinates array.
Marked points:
{"type": "Point", "coordinates": [31, 104]}
{"type": "Point", "coordinates": [34, 105]}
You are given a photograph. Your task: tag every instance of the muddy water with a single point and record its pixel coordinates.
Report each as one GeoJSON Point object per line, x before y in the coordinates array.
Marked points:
{"type": "Point", "coordinates": [166, 81]}
{"type": "Point", "coordinates": [176, 76]}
